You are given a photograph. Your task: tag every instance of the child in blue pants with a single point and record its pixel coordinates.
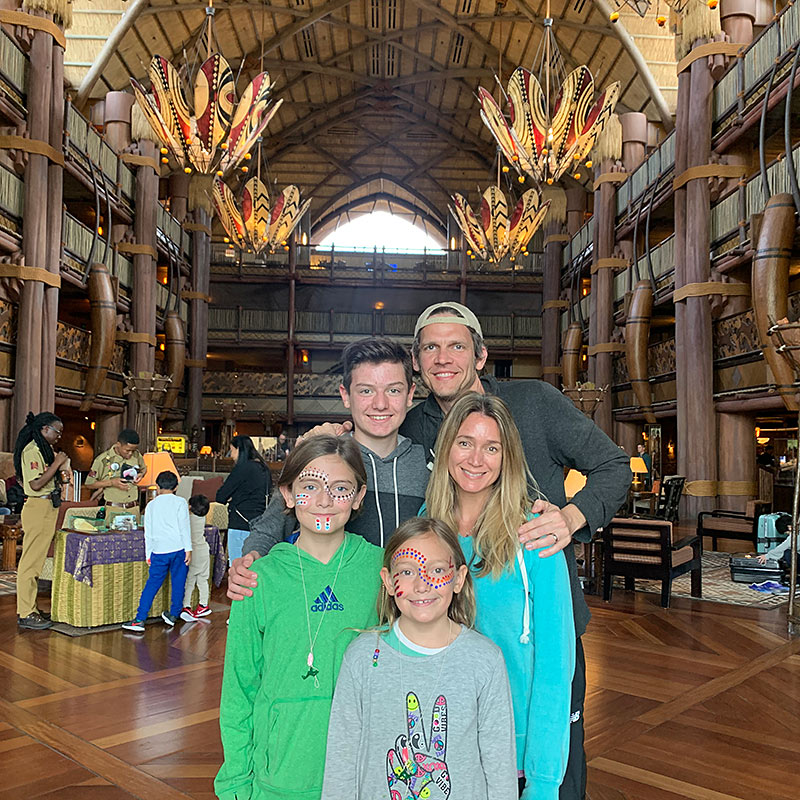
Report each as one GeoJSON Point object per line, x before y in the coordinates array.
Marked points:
{"type": "Point", "coordinates": [168, 549]}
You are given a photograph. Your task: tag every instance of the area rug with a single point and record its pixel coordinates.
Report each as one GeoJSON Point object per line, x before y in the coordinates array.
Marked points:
{"type": "Point", "coordinates": [717, 585]}
{"type": "Point", "coordinates": [8, 582]}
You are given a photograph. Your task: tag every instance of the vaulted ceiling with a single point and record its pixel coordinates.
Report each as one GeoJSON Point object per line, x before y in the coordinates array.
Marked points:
{"type": "Point", "coordinates": [379, 95]}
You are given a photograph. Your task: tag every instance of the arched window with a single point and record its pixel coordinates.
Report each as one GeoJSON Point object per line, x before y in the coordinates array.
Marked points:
{"type": "Point", "coordinates": [381, 230]}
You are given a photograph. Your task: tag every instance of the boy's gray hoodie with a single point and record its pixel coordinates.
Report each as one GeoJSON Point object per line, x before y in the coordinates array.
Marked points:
{"type": "Point", "coordinates": [395, 491]}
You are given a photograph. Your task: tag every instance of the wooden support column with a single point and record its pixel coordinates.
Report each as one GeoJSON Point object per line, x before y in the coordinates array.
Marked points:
{"type": "Point", "coordinates": [626, 435]}
{"type": "Point", "coordinates": [179, 196]}
{"type": "Point", "coordinates": [55, 217]}
{"type": "Point", "coordinates": [143, 304]}
{"type": "Point", "coordinates": [462, 281]}
{"type": "Point", "coordinates": [697, 428]}
{"type": "Point", "coordinates": [29, 365]}
{"type": "Point", "coordinates": [291, 330]}
{"type": "Point", "coordinates": [117, 120]}
{"type": "Point", "coordinates": [603, 294]}
{"type": "Point", "coordinates": [738, 17]}
{"type": "Point", "coordinates": [198, 318]}
{"type": "Point", "coordinates": [738, 473]}
{"type": "Point", "coordinates": [551, 314]}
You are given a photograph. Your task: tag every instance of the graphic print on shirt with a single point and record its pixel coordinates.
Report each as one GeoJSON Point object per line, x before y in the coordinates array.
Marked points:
{"type": "Point", "coordinates": [327, 600]}
{"type": "Point", "coordinates": [416, 768]}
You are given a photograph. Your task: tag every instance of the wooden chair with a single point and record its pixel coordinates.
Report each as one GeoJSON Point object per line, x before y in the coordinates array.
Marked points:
{"type": "Point", "coordinates": [723, 524]}
{"type": "Point", "coordinates": [643, 548]}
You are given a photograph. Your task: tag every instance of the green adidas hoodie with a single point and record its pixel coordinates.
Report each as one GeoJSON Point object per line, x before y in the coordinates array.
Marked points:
{"type": "Point", "coordinates": [274, 722]}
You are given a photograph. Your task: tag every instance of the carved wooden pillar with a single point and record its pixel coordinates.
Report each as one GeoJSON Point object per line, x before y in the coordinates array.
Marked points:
{"type": "Point", "coordinates": [737, 17]}
{"type": "Point", "coordinates": [117, 120]}
{"type": "Point", "coordinates": [55, 216]}
{"type": "Point", "coordinates": [603, 294]}
{"type": "Point", "coordinates": [697, 434]}
{"type": "Point", "coordinates": [551, 303]}
{"type": "Point", "coordinates": [738, 478]}
{"type": "Point", "coordinates": [198, 315]}
{"type": "Point", "coordinates": [31, 320]}
{"type": "Point", "coordinates": [143, 305]}
{"type": "Point", "coordinates": [179, 195]}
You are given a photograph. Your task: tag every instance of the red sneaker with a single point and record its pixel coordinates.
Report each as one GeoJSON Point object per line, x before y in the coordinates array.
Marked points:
{"type": "Point", "coordinates": [202, 611]}
{"type": "Point", "coordinates": [187, 615]}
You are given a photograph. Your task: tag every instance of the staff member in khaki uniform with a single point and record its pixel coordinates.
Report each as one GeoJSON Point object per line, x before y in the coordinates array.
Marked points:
{"type": "Point", "coordinates": [37, 468]}
{"type": "Point", "coordinates": [111, 472]}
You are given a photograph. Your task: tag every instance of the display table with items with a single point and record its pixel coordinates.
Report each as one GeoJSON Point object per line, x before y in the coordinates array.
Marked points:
{"type": "Point", "coordinates": [98, 577]}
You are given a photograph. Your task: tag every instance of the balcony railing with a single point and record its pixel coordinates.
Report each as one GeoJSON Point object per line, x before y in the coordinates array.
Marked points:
{"type": "Point", "coordinates": [78, 254]}
{"type": "Point", "coordinates": [14, 65]}
{"type": "Point", "coordinates": [12, 193]}
{"type": "Point", "coordinates": [84, 141]}
{"type": "Point", "coordinates": [337, 327]}
{"type": "Point", "coordinates": [580, 242]}
{"type": "Point", "coordinates": [660, 162]}
{"type": "Point", "coordinates": [743, 79]}
{"type": "Point", "coordinates": [172, 229]}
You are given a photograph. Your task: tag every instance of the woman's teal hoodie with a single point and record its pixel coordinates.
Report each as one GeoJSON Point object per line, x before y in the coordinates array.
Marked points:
{"type": "Point", "coordinates": [274, 722]}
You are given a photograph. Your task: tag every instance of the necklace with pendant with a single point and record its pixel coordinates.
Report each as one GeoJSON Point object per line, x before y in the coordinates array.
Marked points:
{"type": "Point", "coordinates": [313, 672]}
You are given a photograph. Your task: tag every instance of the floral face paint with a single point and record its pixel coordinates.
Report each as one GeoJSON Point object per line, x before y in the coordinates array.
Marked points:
{"type": "Point", "coordinates": [313, 482]}
{"type": "Point", "coordinates": [409, 560]}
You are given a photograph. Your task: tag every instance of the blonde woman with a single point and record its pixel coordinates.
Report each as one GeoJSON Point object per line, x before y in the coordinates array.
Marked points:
{"type": "Point", "coordinates": [482, 488]}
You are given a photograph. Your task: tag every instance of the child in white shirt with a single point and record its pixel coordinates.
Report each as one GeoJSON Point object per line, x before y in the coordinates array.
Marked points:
{"type": "Point", "coordinates": [168, 549]}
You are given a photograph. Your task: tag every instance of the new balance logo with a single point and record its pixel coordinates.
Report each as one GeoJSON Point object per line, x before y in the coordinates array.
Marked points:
{"type": "Point", "coordinates": [327, 601]}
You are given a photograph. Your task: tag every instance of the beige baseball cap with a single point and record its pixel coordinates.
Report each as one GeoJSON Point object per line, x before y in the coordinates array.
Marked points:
{"type": "Point", "coordinates": [443, 312]}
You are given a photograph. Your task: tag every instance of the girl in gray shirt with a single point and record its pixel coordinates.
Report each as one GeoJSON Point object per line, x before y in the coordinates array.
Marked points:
{"type": "Point", "coordinates": [422, 707]}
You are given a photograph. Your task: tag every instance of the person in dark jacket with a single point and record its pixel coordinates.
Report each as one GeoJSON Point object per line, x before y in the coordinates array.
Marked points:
{"type": "Point", "coordinates": [245, 490]}
{"type": "Point", "coordinates": [449, 352]}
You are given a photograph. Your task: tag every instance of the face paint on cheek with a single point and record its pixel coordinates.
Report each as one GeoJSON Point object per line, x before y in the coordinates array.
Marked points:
{"type": "Point", "coordinates": [301, 499]}
{"type": "Point", "coordinates": [398, 592]}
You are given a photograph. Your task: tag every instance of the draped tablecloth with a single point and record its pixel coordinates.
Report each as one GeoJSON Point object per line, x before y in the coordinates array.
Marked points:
{"type": "Point", "coordinates": [98, 578]}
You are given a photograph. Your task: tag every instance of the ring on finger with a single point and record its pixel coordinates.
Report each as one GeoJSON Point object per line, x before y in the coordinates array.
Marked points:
{"type": "Point", "coordinates": [555, 538]}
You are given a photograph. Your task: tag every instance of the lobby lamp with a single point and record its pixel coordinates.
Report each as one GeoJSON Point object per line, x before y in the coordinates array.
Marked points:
{"type": "Point", "coordinates": [573, 483]}
{"type": "Point", "coordinates": [156, 463]}
{"type": "Point", "coordinates": [638, 467]}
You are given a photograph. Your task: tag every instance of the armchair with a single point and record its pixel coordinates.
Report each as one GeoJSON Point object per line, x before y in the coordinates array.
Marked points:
{"type": "Point", "coordinates": [643, 548]}
{"type": "Point", "coordinates": [722, 524]}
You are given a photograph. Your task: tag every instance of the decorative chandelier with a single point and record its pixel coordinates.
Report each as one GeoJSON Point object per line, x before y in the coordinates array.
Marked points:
{"type": "Point", "coordinates": [215, 138]}
{"type": "Point", "coordinates": [250, 224]}
{"type": "Point", "coordinates": [494, 236]}
{"type": "Point", "coordinates": [542, 138]}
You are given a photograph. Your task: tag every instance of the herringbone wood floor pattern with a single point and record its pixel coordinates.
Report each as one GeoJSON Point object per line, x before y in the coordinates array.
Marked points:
{"type": "Point", "coordinates": [701, 701]}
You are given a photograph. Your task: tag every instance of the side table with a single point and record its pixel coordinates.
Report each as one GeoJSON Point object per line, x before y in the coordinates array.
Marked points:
{"type": "Point", "coordinates": [9, 533]}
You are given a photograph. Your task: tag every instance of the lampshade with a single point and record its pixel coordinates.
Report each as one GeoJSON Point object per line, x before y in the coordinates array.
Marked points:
{"type": "Point", "coordinates": [638, 465]}
{"type": "Point", "coordinates": [157, 463]}
{"type": "Point", "coordinates": [574, 482]}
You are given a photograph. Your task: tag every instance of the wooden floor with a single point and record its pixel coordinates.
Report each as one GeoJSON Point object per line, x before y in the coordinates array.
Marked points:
{"type": "Point", "coordinates": [701, 701]}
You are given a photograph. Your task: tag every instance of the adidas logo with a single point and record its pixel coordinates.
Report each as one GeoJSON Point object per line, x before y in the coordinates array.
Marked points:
{"type": "Point", "coordinates": [327, 601]}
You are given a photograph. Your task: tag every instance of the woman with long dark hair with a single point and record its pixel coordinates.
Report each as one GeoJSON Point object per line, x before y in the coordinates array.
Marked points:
{"type": "Point", "coordinates": [38, 470]}
{"type": "Point", "coordinates": [246, 491]}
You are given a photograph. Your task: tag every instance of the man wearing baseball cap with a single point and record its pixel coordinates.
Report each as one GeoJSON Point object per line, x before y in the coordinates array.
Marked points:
{"type": "Point", "coordinates": [448, 351]}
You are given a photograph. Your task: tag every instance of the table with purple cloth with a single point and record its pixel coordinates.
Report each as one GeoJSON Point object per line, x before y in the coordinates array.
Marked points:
{"type": "Point", "coordinates": [98, 578]}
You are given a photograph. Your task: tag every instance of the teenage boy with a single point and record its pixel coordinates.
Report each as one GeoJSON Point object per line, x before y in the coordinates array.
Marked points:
{"type": "Point", "coordinates": [378, 390]}
{"type": "Point", "coordinates": [167, 548]}
{"type": "Point", "coordinates": [448, 351]}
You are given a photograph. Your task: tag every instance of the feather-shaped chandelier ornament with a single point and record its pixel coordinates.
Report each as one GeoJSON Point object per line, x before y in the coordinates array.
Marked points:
{"type": "Point", "coordinates": [554, 119]}
{"type": "Point", "coordinates": [250, 222]}
{"type": "Point", "coordinates": [219, 134]}
{"type": "Point", "coordinates": [493, 235]}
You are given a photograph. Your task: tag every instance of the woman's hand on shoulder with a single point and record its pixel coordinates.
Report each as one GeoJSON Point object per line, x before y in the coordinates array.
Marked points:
{"type": "Point", "coordinates": [549, 530]}
{"type": "Point", "coordinates": [328, 428]}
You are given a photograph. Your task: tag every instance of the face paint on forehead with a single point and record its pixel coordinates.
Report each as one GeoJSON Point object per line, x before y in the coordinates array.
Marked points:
{"type": "Point", "coordinates": [434, 581]}
{"type": "Point", "coordinates": [318, 474]}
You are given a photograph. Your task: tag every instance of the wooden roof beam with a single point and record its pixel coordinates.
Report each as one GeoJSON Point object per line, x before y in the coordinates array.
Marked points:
{"type": "Point", "coordinates": [111, 46]}
{"type": "Point", "coordinates": [626, 40]}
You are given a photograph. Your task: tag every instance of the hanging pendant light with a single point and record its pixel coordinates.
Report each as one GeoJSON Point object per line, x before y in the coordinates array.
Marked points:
{"type": "Point", "coordinates": [250, 223]}
{"type": "Point", "coordinates": [554, 117]}
{"type": "Point", "coordinates": [494, 236]}
{"type": "Point", "coordinates": [210, 137]}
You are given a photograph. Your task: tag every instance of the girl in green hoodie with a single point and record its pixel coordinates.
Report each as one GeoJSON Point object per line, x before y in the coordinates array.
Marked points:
{"type": "Point", "coordinates": [286, 642]}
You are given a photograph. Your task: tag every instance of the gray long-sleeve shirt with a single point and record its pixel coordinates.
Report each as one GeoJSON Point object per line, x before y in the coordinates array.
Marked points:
{"type": "Point", "coordinates": [443, 721]}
